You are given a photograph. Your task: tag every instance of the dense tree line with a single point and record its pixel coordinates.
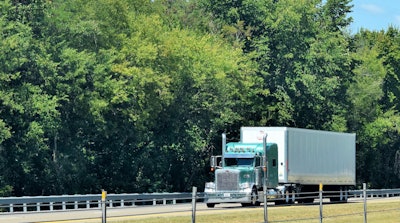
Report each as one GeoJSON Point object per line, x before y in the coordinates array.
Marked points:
{"type": "Point", "coordinates": [132, 95]}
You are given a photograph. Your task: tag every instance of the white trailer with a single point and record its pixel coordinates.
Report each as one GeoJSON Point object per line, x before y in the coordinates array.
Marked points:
{"type": "Point", "coordinates": [307, 158]}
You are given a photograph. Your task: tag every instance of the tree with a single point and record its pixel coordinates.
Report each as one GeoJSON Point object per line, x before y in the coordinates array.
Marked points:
{"type": "Point", "coordinates": [378, 157]}
{"type": "Point", "coordinates": [373, 114]}
{"type": "Point", "coordinates": [306, 70]}
{"type": "Point", "coordinates": [195, 78]}
{"type": "Point", "coordinates": [366, 93]}
{"type": "Point", "coordinates": [29, 115]}
{"type": "Point", "coordinates": [335, 14]}
{"type": "Point", "coordinates": [391, 59]}
{"type": "Point", "coordinates": [132, 95]}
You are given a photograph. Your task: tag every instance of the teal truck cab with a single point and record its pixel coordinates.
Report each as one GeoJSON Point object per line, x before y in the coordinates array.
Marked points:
{"type": "Point", "coordinates": [240, 173]}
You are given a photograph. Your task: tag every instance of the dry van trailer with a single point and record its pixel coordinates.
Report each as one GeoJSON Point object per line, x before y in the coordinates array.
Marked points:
{"type": "Point", "coordinates": [307, 158]}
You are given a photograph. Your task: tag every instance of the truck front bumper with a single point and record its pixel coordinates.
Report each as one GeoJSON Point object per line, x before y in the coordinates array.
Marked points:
{"type": "Point", "coordinates": [227, 197]}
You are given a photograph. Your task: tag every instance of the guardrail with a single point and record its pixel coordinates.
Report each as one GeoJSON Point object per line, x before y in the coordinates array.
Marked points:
{"type": "Point", "coordinates": [376, 193]}
{"type": "Point", "coordinates": [66, 202]}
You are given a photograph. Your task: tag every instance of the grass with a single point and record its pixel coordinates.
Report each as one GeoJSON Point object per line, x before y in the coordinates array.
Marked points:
{"type": "Point", "coordinates": [387, 211]}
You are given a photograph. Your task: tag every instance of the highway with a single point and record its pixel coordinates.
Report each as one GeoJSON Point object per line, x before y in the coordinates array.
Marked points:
{"type": "Point", "coordinates": [94, 215]}
{"type": "Point", "coordinates": [126, 213]}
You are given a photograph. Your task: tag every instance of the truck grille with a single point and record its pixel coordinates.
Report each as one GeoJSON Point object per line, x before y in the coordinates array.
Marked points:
{"type": "Point", "coordinates": [227, 180]}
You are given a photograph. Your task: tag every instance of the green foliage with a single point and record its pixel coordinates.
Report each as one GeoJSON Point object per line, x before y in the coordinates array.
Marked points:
{"type": "Point", "coordinates": [372, 113]}
{"type": "Point", "coordinates": [380, 149]}
{"type": "Point", "coordinates": [391, 59]}
{"type": "Point", "coordinates": [305, 66]}
{"type": "Point", "coordinates": [366, 93]}
{"type": "Point", "coordinates": [336, 13]}
{"type": "Point", "coordinates": [132, 95]}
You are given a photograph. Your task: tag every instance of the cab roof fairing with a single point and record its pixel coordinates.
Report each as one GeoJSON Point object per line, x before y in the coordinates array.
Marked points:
{"type": "Point", "coordinates": [237, 149]}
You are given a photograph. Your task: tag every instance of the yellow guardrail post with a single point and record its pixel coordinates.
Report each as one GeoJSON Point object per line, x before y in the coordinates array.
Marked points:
{"type": "Point", "coordinates": [320, 203]}
{"type": "Point", "coordinates": [103, 206]}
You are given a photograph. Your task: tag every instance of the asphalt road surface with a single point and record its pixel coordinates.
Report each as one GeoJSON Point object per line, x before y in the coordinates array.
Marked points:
{"type": "Point", "coordinates": [95, 215]}
{"type": "Point", "coordinates": [126, 213]}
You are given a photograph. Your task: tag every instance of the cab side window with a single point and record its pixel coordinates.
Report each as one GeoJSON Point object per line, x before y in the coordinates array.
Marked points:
{"type": "Point", "coordinates": [274, 162]}
{"type": "Point", "coordinates": [258, 161]}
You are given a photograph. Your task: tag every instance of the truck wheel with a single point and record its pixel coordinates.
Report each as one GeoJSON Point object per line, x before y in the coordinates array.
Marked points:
{"type": "Point", "coordinates": [245, 204]}
{"type": "Point", "coordinates": [280, 202]}
{"type": "Point", "coordinates": [309, 200]}
{"type": "Point", "coordinates": [210, 205]}
{"type": "Point", "coordinates": [282, 199]}
{"type": "Point", "coordinates": [254, 198]}
{"type": "Point", "coordinates": [337, 200]}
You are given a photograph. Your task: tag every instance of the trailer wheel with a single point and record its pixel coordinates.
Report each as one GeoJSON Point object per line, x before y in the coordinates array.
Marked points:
{"type": "Point", "coordinates": [254, 198]}
{"type": "Point", "coordinates": [210, 205]}
{"type": "Point", "coordinates": [336, 199]}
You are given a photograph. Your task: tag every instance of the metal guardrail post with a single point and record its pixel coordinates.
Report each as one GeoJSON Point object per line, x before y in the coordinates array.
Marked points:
{"type": "Point", "coordinates": [365, 201]}
{"type": "Point", "coordinates": [194, 193]}
{"type": "Point", "coordinates": [265, 201]}
{"type": "Point", "coordinates": [265, 169]}
{"type": "Point", "coordinates": [103, 206]}
{"type": "Point", "coordinates": [320, 203]}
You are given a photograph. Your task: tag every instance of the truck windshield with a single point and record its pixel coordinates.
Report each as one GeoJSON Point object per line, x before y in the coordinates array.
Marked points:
{"type": "Point", "coordinates": [239, 161]}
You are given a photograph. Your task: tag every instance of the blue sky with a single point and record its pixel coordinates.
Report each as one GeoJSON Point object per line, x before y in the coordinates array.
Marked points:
{"type": "Point", "coordinates": [375, 14]}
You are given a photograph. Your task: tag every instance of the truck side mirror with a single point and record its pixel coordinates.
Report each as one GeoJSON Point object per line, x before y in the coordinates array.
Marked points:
{"type": "Point", "coordinates": [260, 162]}
{"type": "Point", "coordinates": [215, 162]}
{"type": "Point", "coordinates": [264, 163]}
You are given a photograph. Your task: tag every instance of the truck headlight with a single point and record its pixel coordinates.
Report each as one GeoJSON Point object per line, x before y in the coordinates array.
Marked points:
{"type": "Point", "coordinates": [210, 187]}
{"type": "Point", "coordinates": [245, 186]}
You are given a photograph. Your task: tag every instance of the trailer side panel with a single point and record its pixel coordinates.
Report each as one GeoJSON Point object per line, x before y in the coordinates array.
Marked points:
{"type": "Point", "coordinates": [309, 157]}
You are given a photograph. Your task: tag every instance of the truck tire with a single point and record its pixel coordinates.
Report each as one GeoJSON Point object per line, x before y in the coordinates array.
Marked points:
{"type": "Point", "coordinates": [338, 194]}
{"type": "Point", "coordinates": [282, 200]}
{"type": "Point", "coordinates": [254, 198]}
{"type": "Point", "coordinates": [308, 193]}
{"type": "Point", "coordinates": [336, 199]}
{"type": "Point", "coordinates": [210, 205]}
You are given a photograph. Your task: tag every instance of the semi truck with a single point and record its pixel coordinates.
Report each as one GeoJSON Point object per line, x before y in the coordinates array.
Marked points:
{"type": "Point", "coordinates": [286, 164]}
